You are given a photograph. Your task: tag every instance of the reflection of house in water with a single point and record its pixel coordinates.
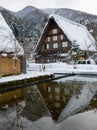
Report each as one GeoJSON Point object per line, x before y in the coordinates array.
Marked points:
{"type": "Point", "coordinates": [57, 95]}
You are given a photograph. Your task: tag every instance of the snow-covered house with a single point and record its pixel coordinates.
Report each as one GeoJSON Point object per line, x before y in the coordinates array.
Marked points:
{"type": "Point", "coordinates": [11, 52]}
{"type": "Point", "coordinates": [59, 36]}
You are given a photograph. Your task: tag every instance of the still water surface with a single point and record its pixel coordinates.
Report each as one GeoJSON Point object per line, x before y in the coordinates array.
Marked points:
{"type": "Point", "coordinates": [72, 102]}
{"type": "Point", "coordinates": [69, 96]}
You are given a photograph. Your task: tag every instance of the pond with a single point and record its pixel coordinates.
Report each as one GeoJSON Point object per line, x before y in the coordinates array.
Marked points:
{"type": "Point", "coordinates": [68, 96]}
{"type": "Point", "coordinates": [70, 101]}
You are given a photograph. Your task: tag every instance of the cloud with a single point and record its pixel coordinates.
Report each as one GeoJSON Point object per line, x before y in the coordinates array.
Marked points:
{"type": "Point", "coordinates": [19, 4]}
{"type": "Point", "coordinates": [16, 5]}
{"type": "Point", "coordinates": [82, 5]}
{"type": "Point", "coordinates": [65, 3]}
{"type": "Point", "coordinates": [61, 2]}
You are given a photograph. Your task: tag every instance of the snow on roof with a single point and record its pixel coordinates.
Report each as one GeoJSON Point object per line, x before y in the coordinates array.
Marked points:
{"type": "Point", "coordinates": [8, 43]}
{"type": "Point", "coordinates": [75, 32]}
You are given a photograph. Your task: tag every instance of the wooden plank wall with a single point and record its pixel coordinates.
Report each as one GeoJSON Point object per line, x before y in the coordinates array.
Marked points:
{"type": "Point", "coordinates": [7, 66]}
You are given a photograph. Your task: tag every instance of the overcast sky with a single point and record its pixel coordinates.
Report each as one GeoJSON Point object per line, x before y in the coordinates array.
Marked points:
{"type": "Point", "coordinates": [89, 6]}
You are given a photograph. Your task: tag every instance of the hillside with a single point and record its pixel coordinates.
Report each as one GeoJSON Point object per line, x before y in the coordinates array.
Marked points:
{"type": "Point", "coordinates": [35, 17]}
{"type": "Point", "coordinates": [71, 14]}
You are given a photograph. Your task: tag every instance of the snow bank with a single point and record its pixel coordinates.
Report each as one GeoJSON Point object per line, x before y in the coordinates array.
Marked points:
{"type": "Point", "coordinates": [29, 74]}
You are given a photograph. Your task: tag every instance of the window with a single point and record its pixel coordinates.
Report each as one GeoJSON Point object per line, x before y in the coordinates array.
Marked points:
{"type": "Point", "coordinates": [54, 31]}
{"type": "Point", "coordinates": [54, 38]}
{"type": "Point", "coordinates": [61, 36]}
{"type": "Point", "coordinates": [64, 44]}
{"type": "Point", "coordinates": [50, 96]}
{"type": "Point", "coordinates": [57, 98]}
{"type": "Point", "coordinates": [84, 62]}
{"type": "Point", "coordinates": [46, 46]}
{"type": "Point", "coordinates": [57, 105]}
{"type": "Point", "coordinates": [48, 60]}
{"type": "Point", "coordinates": [49, 89]}
{"type": "Point", "coordinates": [55, 45]}
{"type": "Point", "coordinates": [48, 39]}
{"type": "Point", "coordinates": [88, 62]}
{"type": "Point", "coordinates": [57, 90]}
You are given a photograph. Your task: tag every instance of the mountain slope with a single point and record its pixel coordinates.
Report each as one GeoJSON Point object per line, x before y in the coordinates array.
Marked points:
{"type": "Point", "coordinates": [75, 15]}
{"type": "Point", "coordinates": [24, 12]}
{"type": "Point", "coordinates": [71, 14]}
{"type": "Point", "coordinates": [33, 16]}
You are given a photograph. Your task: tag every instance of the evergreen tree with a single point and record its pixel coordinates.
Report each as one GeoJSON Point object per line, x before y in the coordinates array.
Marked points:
{"type": "Point", "coordinates": [74, 51]}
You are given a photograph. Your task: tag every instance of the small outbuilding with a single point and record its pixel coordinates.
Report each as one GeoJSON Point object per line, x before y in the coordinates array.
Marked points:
{"type": "Point", "coordinates": [11, 52]}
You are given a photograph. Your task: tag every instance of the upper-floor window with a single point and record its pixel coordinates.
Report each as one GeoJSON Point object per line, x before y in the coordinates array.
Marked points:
{"type": "Point", "coordinates": [48, 39]}
{"type": "Point", "coordinates": [55, 45]}
{"type": "Point", "coordinates": [49, 89]}
{"type": "Point", "coordinates": [57, 90]}
{"type": "Point", "coordinates": [54, 31]}
{"type": "Point", "coordinates": [46, 46]}
{"type": "Point", "coordinates": [64, 44]}
{"type": "Point", "coordinates": [54, 38]}
{"type": "Point", "coordinates": [57, 104]}
{"type": "Point", "coordinates": [61, 36]}
{"type": "Point", "coordinates": [57, 97]}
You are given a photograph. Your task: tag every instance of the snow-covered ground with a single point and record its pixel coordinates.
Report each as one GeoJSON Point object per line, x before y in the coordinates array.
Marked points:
{"type": "Point", "coordinates": [34, 70]}
{"type": "Point", "coordinates": [65, 68]}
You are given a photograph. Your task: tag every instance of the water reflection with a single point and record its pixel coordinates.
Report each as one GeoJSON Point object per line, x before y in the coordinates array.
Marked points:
{"type": "Point", "coordinates": [66, 97]}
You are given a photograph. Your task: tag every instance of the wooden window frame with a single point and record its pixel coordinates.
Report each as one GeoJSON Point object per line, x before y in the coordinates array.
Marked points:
{"type": "Point", "coordinates": [48, 39]}
{"type": "Point", "coordinates": [47, 46]}
{"type": "Point", "coordinates": [65, 44]}
{"type": "Point", "coordinates": [55, 38]}
{"type": "Point", "coordinates": [54, 31]}
{"type": "Point", "coordinates": [61, 37]}
{"type": "Point", "coordinates": [55, 45]}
